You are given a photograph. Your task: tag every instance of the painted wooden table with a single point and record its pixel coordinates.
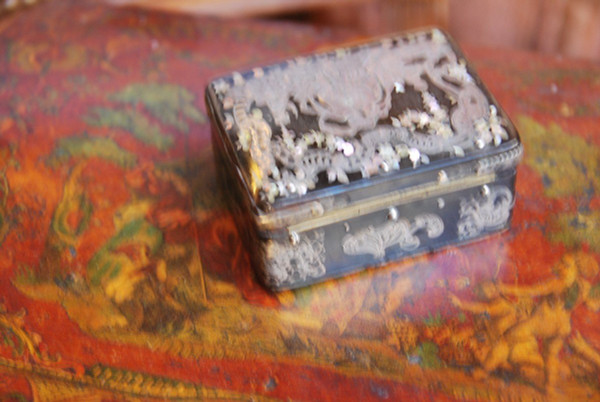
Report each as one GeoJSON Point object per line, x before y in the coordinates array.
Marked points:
{"type": "Point", "coordinates": [123, 278]}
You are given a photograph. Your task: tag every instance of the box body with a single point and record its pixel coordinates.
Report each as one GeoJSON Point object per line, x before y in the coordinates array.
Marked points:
{"type": "Point", "coordinates": [350, 159]}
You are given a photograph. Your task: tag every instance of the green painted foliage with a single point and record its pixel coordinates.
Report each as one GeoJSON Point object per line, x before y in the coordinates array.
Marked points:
{"type": "Point", "coordinates": [88, 147]}
{"type": "Point", "coordinates": [171, 104]}
{"type": "Point", "coordinates": [575, 229]}
{"type": "Point", "coordinates": [433, 320]}
{"type": "Point", "coordinates": [132, 121]}
{"type": "Point", "coordinates": [428, 355]}
{"type": "Point", "coordinates": [59, 222]}
{"type": "Point", "coordinates": [107, 262]}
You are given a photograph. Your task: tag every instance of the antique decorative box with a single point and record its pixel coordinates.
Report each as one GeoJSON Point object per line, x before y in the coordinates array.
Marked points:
{"type": "Point", "coordinates": [345, 160]}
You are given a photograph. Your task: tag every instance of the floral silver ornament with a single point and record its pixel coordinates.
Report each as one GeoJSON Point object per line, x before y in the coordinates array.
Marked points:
{"type": "Point", "coordinates": [349, 96]}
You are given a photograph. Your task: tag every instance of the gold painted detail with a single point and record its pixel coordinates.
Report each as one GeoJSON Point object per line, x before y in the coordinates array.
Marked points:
{"type": "Point", "coordinates": [102, 379]}
{"type": "Point", "coordinates": [55, 370]}
{"type": "Point", "coordinates": [23, 342]}
{"type": "Point", "coordinates": [526, 338]}
{"type": "Point", "coordinates": [141, 384]}
{"type": "Point", "coordinates": [286, 217]}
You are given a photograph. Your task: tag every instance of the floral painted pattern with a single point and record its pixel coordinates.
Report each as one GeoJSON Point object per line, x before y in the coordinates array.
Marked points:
{"type": "Point", "coordinates": [124, 276]}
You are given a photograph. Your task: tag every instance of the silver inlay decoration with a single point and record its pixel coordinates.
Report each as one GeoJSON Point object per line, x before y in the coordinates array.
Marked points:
{"type": "Point", "coordinates": [376, 240]}
{"type": "Point", "coordinates": [294, 238]}
{"type": "Point", "coordinates": [350, 98]}
{"type": "Point", "coordinates": [485, 190]}
{"type": "Point", "coordinates": [505, 160]}
{"type": "Point", "coordinates": [486, 212]}
{"type": "Point", "coordinates": [442, 177]}
{"type": "Point", "coordinates": [288, 264]}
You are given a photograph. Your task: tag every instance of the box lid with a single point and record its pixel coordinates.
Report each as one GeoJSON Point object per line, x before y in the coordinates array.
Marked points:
{"type": "Point", "coordinates": [397, 111]}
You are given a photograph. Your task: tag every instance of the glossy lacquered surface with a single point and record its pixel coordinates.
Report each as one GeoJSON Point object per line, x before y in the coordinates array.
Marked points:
{"type": "Point", "coordinates": [123, 276]}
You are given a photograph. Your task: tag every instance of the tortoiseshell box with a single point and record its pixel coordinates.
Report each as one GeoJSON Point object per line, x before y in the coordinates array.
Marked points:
{"type": "Point", "coordinates": [345, 160]}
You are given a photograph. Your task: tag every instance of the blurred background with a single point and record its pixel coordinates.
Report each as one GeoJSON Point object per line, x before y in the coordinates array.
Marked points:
{"type": "Point", "coordinates": [567, 27]}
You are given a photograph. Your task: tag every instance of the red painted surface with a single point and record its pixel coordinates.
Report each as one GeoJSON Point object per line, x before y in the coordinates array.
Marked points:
{"type": "Point", "coordinates": [123, 276]}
